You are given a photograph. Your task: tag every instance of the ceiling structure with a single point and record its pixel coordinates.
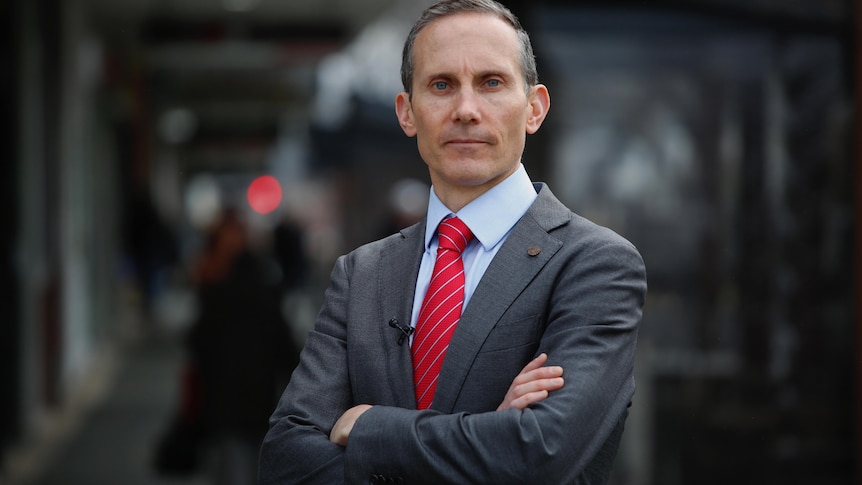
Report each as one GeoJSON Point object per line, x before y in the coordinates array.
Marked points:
{"type": "Point", "coordinates": [349, 15]}
{"type": "Point", "coordinates": [238, 72]}
{"type": "Point", "coordinates": [240, 65]}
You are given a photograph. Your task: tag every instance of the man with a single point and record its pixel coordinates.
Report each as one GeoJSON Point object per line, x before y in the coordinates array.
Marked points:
{"type": "Point", "coordinates": [543, 293]}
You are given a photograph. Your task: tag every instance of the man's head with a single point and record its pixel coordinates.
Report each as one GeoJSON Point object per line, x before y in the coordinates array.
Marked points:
{"type": "Point", "coordinates": [450, 7]}
{"type": "Point", "coordinates": [470, 105]}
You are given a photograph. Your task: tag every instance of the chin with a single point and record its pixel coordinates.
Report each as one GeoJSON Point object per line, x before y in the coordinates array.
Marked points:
{"type": "Point", "coordinates": [474, 179]}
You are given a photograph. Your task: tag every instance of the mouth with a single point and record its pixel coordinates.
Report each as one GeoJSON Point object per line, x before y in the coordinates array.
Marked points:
{"type": "Point", "coordinates": [466, 141]}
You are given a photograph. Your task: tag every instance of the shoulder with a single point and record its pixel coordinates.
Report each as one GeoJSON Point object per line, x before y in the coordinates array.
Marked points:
{"type": "Point", "coordinates": [395, 245]}
{"type": "Point", "coordinates": [573, 230]}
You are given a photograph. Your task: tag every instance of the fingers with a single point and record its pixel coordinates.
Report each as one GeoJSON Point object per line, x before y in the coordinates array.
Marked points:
{"type": "Point", "coordinates": [534, 371]}
{"type": "Point", "coordinates": [527, 399]}
{"type": "Point", "coordinates": [538, 386]}
{"type": "Point", "coordinates": [535, 363]}
{"type": "Point", "coordinates": [522, 395]}
{"type": "Point", "coordinates": [533, 384]}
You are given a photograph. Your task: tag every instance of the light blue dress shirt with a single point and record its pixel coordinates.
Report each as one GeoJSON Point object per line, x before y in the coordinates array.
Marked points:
{"type": "Point", "coordinates": [490, 217]}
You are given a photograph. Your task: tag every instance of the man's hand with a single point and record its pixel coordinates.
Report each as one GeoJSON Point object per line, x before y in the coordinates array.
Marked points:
{"type": "Point", "coordinates": [533, 384]}
{"type": "Point", "coordinates": [530, 386]}
{"type": "Point", "coordinates": [341, 430]}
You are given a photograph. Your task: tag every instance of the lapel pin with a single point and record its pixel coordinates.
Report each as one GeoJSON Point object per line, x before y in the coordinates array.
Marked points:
{"type": "Point", "coordinates": [534, 250]}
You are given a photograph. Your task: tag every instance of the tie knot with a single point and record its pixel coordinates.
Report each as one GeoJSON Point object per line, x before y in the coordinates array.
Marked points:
{"type": "Point", "coordinates": [454, 234]}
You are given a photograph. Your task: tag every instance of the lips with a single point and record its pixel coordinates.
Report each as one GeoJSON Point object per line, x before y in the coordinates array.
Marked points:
{"type": "Point", "coordinates": [462, 141]}
{"type": "Point", "coordinates": [467, 140]}
{"type": "Point", "coordinates": [463, 137]}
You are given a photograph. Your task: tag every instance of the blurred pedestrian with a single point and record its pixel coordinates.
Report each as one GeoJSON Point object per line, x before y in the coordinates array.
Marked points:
{"type": "Point", "coordinates": [290, 253]}
{"type": "Point", "coordinates": [240, 346]}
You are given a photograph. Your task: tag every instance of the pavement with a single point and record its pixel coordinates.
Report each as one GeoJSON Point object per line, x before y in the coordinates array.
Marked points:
{"type": "Point", "coordinates": [113, 441]}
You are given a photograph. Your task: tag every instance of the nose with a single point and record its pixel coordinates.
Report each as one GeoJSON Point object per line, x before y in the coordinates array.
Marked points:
{"type": "Point", "coordinates": [466, 108]}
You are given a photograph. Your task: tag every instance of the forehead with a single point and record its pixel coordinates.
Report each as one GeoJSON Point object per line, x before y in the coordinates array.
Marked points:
{"type": "Point", "coordinates": [471, 38]}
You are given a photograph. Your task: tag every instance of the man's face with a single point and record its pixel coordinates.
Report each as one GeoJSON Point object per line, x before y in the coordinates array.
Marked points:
{"type": "Point", "coordinates": [469, 110]}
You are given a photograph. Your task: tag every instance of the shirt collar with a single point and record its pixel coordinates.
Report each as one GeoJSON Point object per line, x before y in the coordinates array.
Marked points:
{"type": "Point", "coordinates": [491, 215]}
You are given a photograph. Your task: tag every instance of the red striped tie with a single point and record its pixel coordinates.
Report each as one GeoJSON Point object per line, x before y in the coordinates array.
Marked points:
{"type": "Point", "coordinates": [441, 309]}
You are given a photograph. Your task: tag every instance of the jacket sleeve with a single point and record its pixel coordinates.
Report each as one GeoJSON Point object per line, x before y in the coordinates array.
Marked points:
{"type": "Point", "coordinates": [593, 311]}
{"type": "Point", "coordinates": [297, 448]}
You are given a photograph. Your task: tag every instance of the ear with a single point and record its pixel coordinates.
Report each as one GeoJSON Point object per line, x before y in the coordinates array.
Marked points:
{"type": "Point", "coordinates": [405, 113]}
{"type": "Point", "coordinates": [540, 103]}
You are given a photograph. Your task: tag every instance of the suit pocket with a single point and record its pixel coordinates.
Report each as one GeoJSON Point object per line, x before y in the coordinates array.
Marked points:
{"type": "Point", "coordinates": [508, 335]}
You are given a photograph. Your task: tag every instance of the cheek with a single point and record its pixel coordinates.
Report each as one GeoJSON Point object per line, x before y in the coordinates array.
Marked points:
{"type": "Point", "coordinates": [427, 132]}
{"type": "Point", "coordinates": [425, 148]}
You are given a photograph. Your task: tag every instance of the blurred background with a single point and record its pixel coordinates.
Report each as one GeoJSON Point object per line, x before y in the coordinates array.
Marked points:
{"type": "Point", "coordinates": [180, 176]}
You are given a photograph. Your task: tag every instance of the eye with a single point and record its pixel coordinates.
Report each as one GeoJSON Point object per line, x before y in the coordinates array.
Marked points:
{"type": "Point", "coordinates": [440, 85]}
{"type": "Point", "coordinates": [493, 83]}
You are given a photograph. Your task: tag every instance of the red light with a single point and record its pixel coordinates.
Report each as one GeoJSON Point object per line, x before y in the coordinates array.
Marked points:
{"type": "Point", "coordinates": [264, 194]}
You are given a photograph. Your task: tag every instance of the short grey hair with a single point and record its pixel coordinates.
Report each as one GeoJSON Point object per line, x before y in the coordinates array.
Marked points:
{"type": "Point", "coordinates": [450, 7]}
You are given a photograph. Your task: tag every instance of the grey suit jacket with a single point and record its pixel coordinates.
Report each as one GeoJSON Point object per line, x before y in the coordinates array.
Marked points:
{"type": "Point", "coordinates": [559, 284]}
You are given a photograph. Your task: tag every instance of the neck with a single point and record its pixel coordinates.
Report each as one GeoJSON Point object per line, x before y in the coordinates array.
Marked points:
{"type": "Point", "coordinates": [455, 200]}
{"type": "Point", "coordinates": [455, 197]}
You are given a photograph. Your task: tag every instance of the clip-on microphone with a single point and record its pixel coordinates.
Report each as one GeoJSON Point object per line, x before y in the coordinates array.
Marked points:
{"type": "Point", "coordinates": [404, 329]}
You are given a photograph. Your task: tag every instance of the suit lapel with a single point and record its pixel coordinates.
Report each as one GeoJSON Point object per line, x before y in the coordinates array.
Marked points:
{"type": "Point", "coordinates": [527, 249]}
{"type": "Point", "coordinates": [399, 266]}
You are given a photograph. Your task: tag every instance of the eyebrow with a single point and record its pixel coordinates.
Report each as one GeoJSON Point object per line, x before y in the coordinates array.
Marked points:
{"type": "Point", "coordinates": [494, 73]}
{"type": "Point", "coordinates": [480, 75]}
